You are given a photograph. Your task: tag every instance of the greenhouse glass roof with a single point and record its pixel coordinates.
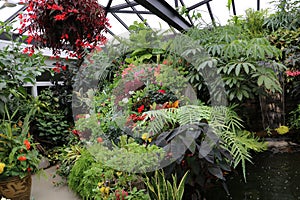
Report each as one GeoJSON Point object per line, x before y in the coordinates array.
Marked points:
{"type": "Point", "coordinates": [159, 14]}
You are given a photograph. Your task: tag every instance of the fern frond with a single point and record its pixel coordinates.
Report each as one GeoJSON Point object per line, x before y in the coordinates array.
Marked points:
{"type": "Point", "coordinates": [239, 145]}
{"type": "Point", "coordinates": [190, 114]}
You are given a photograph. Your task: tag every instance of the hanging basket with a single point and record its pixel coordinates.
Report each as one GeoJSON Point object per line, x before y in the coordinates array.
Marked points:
{"type": "Point", "coordinates": [15, 188]}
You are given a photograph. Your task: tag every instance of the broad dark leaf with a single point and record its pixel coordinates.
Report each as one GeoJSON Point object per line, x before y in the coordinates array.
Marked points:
{"type": "Point", "coordinates": [217, 172]}
{"type": "Point", "coordinates": [204, 150]}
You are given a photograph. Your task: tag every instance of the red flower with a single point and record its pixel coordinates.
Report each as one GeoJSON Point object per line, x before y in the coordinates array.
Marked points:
{"type": "Point", "coordinates": [64, 68]}
{"type": "Point", "coordinates": [162, 91]}
{"type": "Point", "coordinates": [56, 69]}
{"type": "Point", "coordinates": [141, 108]}
{"type": "Point", "coordinates": [27, 144]}
{"type": "Point", "coordinates": [22, 158]}
{"type": "Point", "coordinates": [29, 169]}
{"type": "Point", "coordinates": [29, 39]}
{"type": "Point", "coordinates": [56, 7]}
{"type": "Point", "coordinates": [73, 11]}
{"type": "Point", "coordinates": [65, 36]}
{"type": "Point", "coordinates": [75, 132]}
{"type": "Point", "coordinates": [60, 17]}
{"type": "Point", "coordinates": [165, 62]}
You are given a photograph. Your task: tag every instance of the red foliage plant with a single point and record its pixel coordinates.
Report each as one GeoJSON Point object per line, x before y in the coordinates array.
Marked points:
{"type": "Point", "coordinates": [64, 25]}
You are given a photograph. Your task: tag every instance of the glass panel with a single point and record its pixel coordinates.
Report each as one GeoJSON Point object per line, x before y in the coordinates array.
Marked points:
{"type": "Point", "coordinates": [7, 12]}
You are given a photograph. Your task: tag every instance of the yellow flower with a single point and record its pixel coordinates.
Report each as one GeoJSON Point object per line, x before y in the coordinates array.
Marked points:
{"type": "Point", "coordinates": [282, 130]}
{"type": "Point", "coordinates": [100, 184]}
{"type": "Point", "coordinates": [102, 190]}
{"type": "Point", "coordinates": [150, 140]}
{"type": "Point", "coordinates": [145, 136]}
{"type": "Point", "coordinates": [119, 173]}
{"type": "Point", "coordinates": [2, 165]}
{"type": "Point", "coordinates": [107, 190]}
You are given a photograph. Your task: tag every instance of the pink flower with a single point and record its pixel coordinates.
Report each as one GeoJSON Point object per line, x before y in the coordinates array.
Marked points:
{"type": "Point", "coordinates": [292, 73]}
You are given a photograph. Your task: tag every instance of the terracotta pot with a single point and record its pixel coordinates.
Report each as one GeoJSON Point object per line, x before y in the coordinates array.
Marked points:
{"type": "Point", "coordinates": [15, 188]}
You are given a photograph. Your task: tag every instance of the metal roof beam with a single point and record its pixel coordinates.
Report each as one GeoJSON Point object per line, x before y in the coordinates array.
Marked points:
{"type": "Point", "coordinates": [233, 7]}
{"type": "Point", "coordinates": [120, 20]}
{"type": "Point", "coordinates": [133, 12]}
{"type": "Point", "coordinates": [122, 6]}
{"type": "Point", "coordinates": [138, 14]}
{"type": "Point", "coordinates": [188, 14]}
{"type": "Point", "coordinates": [13, 16]}
{"type": "Point", "coordinates": [198, 4]}
{"type": "Point", "coordinates": [166, 12]}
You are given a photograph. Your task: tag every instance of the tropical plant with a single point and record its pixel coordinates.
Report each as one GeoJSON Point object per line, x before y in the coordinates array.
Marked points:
{"type": "Point", "coordinates": [161, 189]}
{"type": "Point", "coordinates": [128, 156]}
{"type": "Point", "coordinates": [224, 126]}
{"type": "Point", "coordinates": [64, 25]}
{"type": "Point", "coordinates": [18, 153]}
{"type": "Point", "coordinates": [99, 181]}
{"type": "Point", "coordinates": [67, 158]}
{"type": "Point", "coordinates": [243, 62]}
{"type": "Point", "coordinates": [294, 118]}
{"type": "Point", "coordinates": [285, 16]}
{"type": "Point", "coordinates": [76, 175]}
{"type": "Point", "coordinates": [50, 126]}
{"type": "Point", "coordinates": [16, 69]}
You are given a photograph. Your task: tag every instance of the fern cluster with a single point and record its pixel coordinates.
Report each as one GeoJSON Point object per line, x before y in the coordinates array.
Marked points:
{"type": "Point", "coordinates": [222, 120]}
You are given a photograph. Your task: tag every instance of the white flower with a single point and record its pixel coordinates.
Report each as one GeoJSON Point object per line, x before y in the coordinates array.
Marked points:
{"type": "Point", "coordinates": [87, 116]}
{"type": "Point", "coordinates": [131, 92]}
{"type": "Point", "coordinates": [125, 100]}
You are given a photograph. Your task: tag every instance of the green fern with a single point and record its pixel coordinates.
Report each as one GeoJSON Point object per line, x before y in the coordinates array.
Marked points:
{"type": "Point", "coordinates": [239, 145]}
{"type": "Point", "coordinates": [222, 120]}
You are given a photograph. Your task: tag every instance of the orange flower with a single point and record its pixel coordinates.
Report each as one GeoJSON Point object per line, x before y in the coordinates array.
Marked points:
{"type": "Point", "coordinates": [27, 144]}
{"type": "Point", "coordinates": [22, 158]}
{"type": "Point", "coordinates": [99, 139]}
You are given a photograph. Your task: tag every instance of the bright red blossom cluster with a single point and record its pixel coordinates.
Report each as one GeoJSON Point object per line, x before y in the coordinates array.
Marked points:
{"type": "Point", "coordinates": [27, 144]}
{"type": "Point", "coordinates": [22, 158]}
{"type": "Point", "coordinates": [135, 117]}
{"type": "Point", "coordinates": [64, 25]}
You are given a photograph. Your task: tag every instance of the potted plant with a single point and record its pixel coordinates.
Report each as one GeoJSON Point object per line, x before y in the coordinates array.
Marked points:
{"type": "Point", "coordinates": [64, 25]}
{"type": "Point", "coordinates": [18, 157]}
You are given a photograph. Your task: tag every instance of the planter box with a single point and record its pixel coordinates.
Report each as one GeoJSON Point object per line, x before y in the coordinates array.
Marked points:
{"type": "Point", "coordinates": [15, 188]}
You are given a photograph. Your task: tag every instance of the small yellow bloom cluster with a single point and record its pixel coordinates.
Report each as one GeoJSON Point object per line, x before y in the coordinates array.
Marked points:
{"type": "Point", "coordinates": [146, 137]}
{"type": "Point", "coordinates": [119, 174]}
{"type": "Point", "coordinates": [2, 165]}
{"type": "Point", "coordinates": [282, 130]}
{"type": "Point", "coordinates": [103, 189]}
